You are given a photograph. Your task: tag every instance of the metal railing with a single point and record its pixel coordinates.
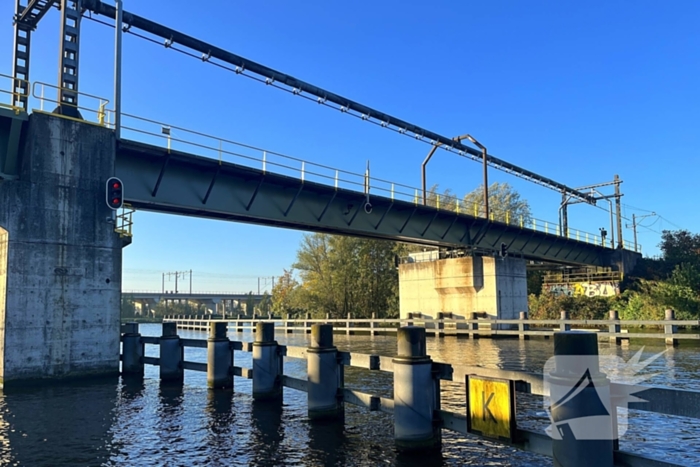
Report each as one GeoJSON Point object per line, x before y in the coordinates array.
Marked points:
{"type": "Point", "coordinates": [477, 325]}
{"type": "Point", "coordinates": [124, 221]}
{"type": "Point", "coordinates": [14, 93]}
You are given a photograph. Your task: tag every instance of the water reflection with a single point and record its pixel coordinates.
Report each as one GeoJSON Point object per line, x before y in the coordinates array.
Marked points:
{"type": "Point", "coordinates": [267, 433]}
{"type": "Point", "coordinates": [326, 442]}
{"type": "Point", "coordinates": [67, 424]}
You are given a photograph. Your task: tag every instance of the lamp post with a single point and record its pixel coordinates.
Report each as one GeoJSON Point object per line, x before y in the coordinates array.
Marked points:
{"type": "Point", "coordinates": [486, 179]}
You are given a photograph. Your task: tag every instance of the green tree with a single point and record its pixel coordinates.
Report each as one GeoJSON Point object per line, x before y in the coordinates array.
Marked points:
{"type": "Point", "coordinates": [680, 246]}
{"type": "Point", "coordinates": [342, 275]}
{"type": "Point", "coordinates": [505, 204]}
{"type": "Point", "coordinates": [287, 296]}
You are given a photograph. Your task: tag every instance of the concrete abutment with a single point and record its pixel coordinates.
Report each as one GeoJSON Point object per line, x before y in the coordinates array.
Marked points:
{"type": "Point", "coordinates": [494, 286]}
{"type": "Point", "coordinates": [60, 259]}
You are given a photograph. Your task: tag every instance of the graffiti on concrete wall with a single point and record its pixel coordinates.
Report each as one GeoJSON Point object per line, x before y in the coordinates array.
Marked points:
{"type": "Point", "coordinates": [588, 289]}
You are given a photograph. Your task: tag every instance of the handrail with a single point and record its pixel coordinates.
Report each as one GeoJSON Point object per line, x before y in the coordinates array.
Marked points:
{"type": "Point", "coordinates": [101, 113]}
{"type": "Point", "coordinates": [14, 93]}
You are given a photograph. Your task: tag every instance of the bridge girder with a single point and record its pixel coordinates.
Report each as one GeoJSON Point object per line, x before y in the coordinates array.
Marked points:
{"type": "Point", "coordinates": [181, 183]}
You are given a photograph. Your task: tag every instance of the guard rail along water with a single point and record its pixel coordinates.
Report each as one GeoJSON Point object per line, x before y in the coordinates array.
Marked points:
{"type": "Point", "coordinates": [418, 417]}
{"type": "Point", "coordinates": [478, 325]}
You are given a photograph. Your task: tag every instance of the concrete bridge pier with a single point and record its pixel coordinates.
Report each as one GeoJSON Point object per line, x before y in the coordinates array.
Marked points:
{"type": "Point", "coordinates": [60, 258]}
{"type": "Point", "coordinates": [494, 285]}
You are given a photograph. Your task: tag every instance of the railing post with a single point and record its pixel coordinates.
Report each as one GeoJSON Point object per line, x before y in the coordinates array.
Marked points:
{"type": "Point", "coordinates": [474, 327]}
{"type": "Point", "coordinates": [307, 324]}
{"type": "Point", "coordinates": [171, 355]}
{"type": "Point", "coordinates": [267, 364]}
{"type": "Point", "coordinates": [614, 328]}
{"type": "Point", "coordinates": [349, 325]}
{"type": "Point", "coordinates": [670, 329]}
{"type": "Point", "coordinates": [564, 326]}
{"type": "Point", "coordinates": [373, 325]}
{"type": "Point", "coordinates": [132, 350]}
{"type": "Point", "coordinates": [440, 324]}
{"type": "Point", "coordinates": [523, 327]}
{"type": "Point", "coordinates": [325, 375]}
{"type": "Point", "coordinates": [409, 317]}
{"type": "Point", "coordinates": [415, 399]}
{"type": "Point", "coordinates": [219, 358]}
{"type": "Point", "coordinates": [286, 324]}
{"type": "Point", "coordinates": [576, 367]}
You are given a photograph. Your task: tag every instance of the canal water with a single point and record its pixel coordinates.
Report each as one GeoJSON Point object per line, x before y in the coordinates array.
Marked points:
{"type": "Point", "coordinates": [115, 422]}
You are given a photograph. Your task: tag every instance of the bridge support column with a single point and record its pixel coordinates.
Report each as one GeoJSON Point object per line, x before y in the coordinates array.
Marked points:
{"type": "Point", "coordinates": [172, 354]}
{"type": "Point", "coordinates": [60, 258]}
{"type": "Point", "coordinates": [132, 350]}
{"type": "Point", "coordinates": [219, 357]}
{"type": "Point", "coordinates": [267, 364]}
{"type": "Point", "coordinates": [325, 375]}
{"type": "Point", "coordinates": [496, 286]}
{"type": "Point", "coordinates": [582, 431]}
{"type": "Point", "coordinates": [415, 397]}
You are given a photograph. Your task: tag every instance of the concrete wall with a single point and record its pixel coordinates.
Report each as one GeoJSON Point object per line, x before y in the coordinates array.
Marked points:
{"type": "Point", "coordinates": [496, 286]}
{"type": "Point", "coordinates": [62, 300]}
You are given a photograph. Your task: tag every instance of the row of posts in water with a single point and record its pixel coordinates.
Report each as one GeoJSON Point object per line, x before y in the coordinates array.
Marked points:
{"type": "Point", "coordinates": [414, 383]}
{"type": "Point", "coordinates": [416, 389]}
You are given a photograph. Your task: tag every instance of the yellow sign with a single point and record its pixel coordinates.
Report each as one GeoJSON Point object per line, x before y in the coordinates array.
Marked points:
{"type": "Point", "coordinates": [491, 407]}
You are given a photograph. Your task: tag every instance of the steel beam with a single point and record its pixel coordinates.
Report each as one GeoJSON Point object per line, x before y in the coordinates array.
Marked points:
{"type": "Point", "coordinates": [298, 86]}
{"type": "Point", "coordinates": [68, 59]}
{"type": "Point", "coordinates": [33, 12]}
{"type": "Point", "coordinates": [180, 185]}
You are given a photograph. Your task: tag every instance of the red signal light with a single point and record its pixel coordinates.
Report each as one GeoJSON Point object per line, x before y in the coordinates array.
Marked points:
{"type": "Point", "coordinates": [114, 193]}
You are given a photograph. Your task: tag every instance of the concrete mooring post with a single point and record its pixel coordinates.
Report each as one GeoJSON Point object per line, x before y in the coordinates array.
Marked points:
{"type": "Point", "coordinates": [325, 375]}
{"type": "Point", "coordinates": [582, 428]}
{"type": "Point", "coordinates": [614, 328]}
{"type": "Point", "coordinates": [132, 350]}
{"type": "Point", "coordinates": [523, 327]}
{"type": "Point", "coordinates": [219, 358]}
{"type": "Point", "coordinates": [267, 364]}
{"type": "Point", "coordinates": [670, 329]}
{"type": "Point", "coordinates": [415, 396]}
{"type": "Point", "coordinates": [440, 324]}
{"type": "Point", "coordinates": [172, 354]}
{"type": "Point", "coordinates": [564, 326]}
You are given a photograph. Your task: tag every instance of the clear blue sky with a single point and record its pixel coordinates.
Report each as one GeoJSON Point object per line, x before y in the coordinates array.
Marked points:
{"type": "Point", "coordinates": [577, 92]}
